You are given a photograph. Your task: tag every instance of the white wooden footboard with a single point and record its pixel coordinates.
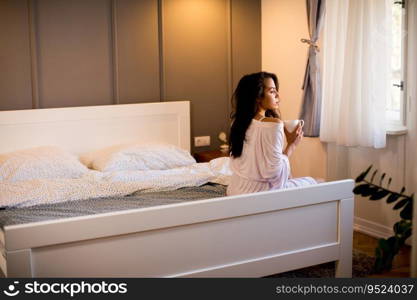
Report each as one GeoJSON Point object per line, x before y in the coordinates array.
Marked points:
{"type": "Point", "coordinates": [241, 236]}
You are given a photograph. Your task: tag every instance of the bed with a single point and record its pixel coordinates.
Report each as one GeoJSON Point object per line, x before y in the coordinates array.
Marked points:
{"type": "Point", "coordinates": [251, 235]}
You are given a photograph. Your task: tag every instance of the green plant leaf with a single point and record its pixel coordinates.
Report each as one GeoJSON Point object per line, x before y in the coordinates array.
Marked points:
{"type": "Point", "coordinates": [373, 175]}
{"type": "Point", "coordinates": [370, 191]}
{"type": "Point", "coordinates": [379, 194]}
{"type": "Point", "coordinates": [407, 234]}
{"type": "Point", "coordinates": [359, 189]}
{"type": "Point", "coordinates": [383, 244]}
{"type": "Point", "coordinates": [401, 227]}
{"type": "Point", "coordinates": [382, 178]}
{"type": "Point", "coordinates": [388, 263]}
{"type": "Point", "coordinates": [362, 176]}
{"type": "Point", "coordinates": [378, 252]}
{"type": "Point", "coordinates": [378, 266]}
{"type": "Point", "coordinates": [388, 248]}
{"type": "Point", "coordinates": [407, 212]}
{"type": "Point", "coordinates": [397, 228]}
{"type": "Point", "coordinates": [393, 245]}
{"type": "Point", "coordinates": [391, 241]}
{"type": "Point", "coordinates": [393, 197]}
{"type": "Point", "coordinates": [401, 203]}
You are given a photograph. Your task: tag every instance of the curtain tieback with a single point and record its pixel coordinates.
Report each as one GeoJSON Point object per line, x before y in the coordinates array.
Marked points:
{"type": "Point", "coordinates": [311, 43]}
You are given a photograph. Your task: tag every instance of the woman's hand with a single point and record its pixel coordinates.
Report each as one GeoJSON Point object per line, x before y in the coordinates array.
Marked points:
{"type": "Point", "coordinates": [293, 139]}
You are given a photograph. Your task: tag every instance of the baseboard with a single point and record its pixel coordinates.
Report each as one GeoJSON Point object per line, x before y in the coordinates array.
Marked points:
{"type": "Point", "coordinates": [374, 229]}
{"type": "Point", "coordinates": [371, 228]}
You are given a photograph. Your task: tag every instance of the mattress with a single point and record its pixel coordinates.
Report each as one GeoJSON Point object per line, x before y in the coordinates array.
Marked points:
{"type": "Point", "coordinates": [46, 212]}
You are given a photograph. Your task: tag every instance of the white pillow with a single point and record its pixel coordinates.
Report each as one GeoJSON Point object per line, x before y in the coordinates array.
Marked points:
{"type": "Point", "coordinates": [131, 157]}
{"type": "Point", "coordinates": [47, 162]}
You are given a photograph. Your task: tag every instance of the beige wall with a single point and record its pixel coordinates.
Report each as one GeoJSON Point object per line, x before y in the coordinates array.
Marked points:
{"type": "Point", "coordinates": [284, 23]}
{"type": "Point", "coordinates": [375, 215]}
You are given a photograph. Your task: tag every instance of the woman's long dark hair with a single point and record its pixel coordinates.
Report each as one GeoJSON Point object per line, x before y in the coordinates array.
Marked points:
{"type": "Point", "coordinates": [249, 89]}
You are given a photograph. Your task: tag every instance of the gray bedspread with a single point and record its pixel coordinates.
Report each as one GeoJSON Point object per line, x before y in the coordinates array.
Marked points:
{"type": "Point", "coordinates": [103, 205]}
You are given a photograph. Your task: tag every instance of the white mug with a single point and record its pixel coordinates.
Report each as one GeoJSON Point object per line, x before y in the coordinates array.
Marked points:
{"type": "Point", "coordinates": [291, 125]}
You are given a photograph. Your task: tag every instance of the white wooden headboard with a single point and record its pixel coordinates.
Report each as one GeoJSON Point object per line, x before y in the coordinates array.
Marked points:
{"type": "Point", "coordinates": [82, 129]}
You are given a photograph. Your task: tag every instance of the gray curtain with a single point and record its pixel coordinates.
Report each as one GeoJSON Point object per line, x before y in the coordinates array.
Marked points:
{"type": "Point", "coordinates": [311, 104]}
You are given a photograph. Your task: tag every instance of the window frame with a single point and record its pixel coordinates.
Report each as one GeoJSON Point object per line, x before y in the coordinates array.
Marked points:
{"type": "Point", "coordinates": [399, 126]}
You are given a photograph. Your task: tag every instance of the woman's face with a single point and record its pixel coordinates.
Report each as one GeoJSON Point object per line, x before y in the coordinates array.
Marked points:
{"type": "Point", "coordinates": [270, 100]}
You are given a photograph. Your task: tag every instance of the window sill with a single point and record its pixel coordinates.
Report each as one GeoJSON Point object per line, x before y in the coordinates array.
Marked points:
{"type": "Point", "coordinates": [396, 130]}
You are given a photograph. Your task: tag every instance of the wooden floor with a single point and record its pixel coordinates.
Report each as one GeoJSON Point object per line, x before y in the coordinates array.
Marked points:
{"type": "Point", "coordinates": [401, 263]}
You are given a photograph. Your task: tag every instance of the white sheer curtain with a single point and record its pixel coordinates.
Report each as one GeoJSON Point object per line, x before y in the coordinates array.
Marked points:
{"type": "Point", "coordinates": [356, 72]}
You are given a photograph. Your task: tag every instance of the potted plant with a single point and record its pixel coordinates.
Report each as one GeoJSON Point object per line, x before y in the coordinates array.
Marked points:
{"type": "Point", "coordinates": [387, 248]}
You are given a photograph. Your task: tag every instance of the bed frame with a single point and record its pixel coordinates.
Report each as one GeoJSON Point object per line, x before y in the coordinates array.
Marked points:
{"type": "Point", "coordinates": [249, 235]}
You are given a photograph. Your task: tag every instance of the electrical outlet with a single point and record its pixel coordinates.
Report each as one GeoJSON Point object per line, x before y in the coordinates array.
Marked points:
{"type": "Point", "coordinates": [201, 141]}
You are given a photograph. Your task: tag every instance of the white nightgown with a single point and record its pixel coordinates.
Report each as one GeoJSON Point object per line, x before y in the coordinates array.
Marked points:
{"type": "Point", "coordinates": [262, 165]}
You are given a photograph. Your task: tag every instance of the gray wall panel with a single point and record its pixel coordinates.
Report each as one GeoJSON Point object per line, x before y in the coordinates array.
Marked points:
{"type": "Point", "coordinates": [74, 52]}
{"type": "Point", "coordinates": [196, 61]}
{"type": "Point", "coordinates": [246, 38]}
{"type": "Point", "coordinates": [100, 51]}
{"type": "Point", "coordinates": [15, 67]}
{"type": "Point", "coordinates": [137, 50]}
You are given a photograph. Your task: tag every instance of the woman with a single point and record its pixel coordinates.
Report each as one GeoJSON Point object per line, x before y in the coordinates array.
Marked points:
{"type": "Point", "coordinates": [258, 160]}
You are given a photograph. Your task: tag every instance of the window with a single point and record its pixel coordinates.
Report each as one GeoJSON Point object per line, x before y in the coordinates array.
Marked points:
{"type": "Point", "coordinates": [396, 105]}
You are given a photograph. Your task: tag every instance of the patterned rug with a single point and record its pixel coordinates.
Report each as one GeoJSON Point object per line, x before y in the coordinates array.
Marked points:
{"type": "Point", "coordinates": [362, 265]}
